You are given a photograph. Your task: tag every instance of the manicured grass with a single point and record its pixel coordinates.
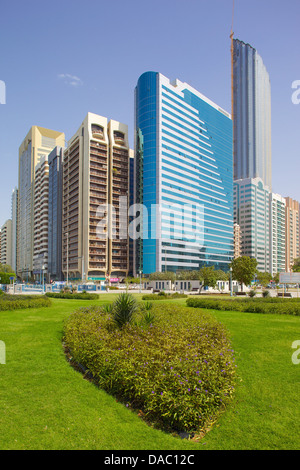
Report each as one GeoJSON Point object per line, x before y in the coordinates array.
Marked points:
{"type": "Point", "coordinates": [45, 404]}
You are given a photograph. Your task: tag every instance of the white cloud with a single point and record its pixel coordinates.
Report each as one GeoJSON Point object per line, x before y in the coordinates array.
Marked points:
{"type": "Point", "coordinates": [70, 79]}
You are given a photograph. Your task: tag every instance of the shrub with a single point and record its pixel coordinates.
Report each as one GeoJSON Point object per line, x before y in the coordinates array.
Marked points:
{"type": "Point", "coordinates": [252, 293]}
{"type": "Point", "coordinates": [75, 295]}
{"type": "Point", "coordinates": [258, 305]}
{"type": "Point", "coordinates": [266, 293]}
{"type": "Point", "coordinates": [16, 302]}
{"type": "Point", "coordinates": [164, 296]}
{"type": "Point", "coordinates": [179, 372]}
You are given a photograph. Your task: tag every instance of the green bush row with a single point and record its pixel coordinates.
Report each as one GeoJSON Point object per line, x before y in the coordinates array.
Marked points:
{"type": "Point", "coordinates": [163, 295]}
{"type": "Point", "coordinates": [178, 371]}
{"type": "Point", "coordinates": [69, 295]}
{"type": "Point", "coordinates": [266, 305]}
{"type": "Point", "coordinates": [15, 302]}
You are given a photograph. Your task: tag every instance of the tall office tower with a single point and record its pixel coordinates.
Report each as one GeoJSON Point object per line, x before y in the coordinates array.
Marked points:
{"type": "Point", "coordinates": [277, 234]}
{"type": "Point", "coordinates": [95, 201]}
{"type": "Point", "coordinates": [14, 228]}
{"type": "Point", "coordinates": [252, 213]}
{"type": "Point", "coordinates": [251, 114]}
{"type": "Point", "coordinates": [37, 144]}
{"type": "Point", "coordinates": [291, 232]}
{"type": "Point", "coordinates": [6, 243]}
{"type": "Point", "coordinates": [40, 227]}
{"type": "Point", "coordinates": [55, 162]}
{"type": "Point", "coordinates": [183, 178]}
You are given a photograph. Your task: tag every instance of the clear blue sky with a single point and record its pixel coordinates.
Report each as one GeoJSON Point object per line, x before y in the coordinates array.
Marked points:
{"type": "Point", "coordinates": [107, 45]}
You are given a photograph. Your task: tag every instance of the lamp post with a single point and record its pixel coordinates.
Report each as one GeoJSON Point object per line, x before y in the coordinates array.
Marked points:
{"type": "Point", "coordinates": [140, 281]}
{"type": "Point", "coordinates": [43, 267]}
{"type": "Point", "coordinates": [67, 234]}
{"type": "Point", "coordinates": [230, 281]}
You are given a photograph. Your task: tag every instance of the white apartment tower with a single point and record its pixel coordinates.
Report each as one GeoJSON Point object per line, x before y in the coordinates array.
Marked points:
{"type": "Point", "coordinates": [277, 234]}
{"type": "Point", "coordinates": [252, 214]}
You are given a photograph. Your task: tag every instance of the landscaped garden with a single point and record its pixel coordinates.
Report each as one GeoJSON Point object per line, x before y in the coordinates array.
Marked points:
{"type": "Point", "coordinates": [48, 404]}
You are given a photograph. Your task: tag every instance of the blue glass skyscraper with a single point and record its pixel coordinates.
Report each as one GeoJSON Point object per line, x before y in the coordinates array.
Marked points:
{"type": "Point", "coordinates": [251, 95]}
{"type": "Point", "coordinates": [183, 178]}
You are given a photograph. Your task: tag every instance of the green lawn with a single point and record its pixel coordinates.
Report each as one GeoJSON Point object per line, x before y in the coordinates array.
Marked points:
{"type": "Point", "coordinates": [45, 404]}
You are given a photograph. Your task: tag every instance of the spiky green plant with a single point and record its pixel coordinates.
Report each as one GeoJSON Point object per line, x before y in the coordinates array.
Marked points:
{"type": "Point", "coordinates": [124, 308]}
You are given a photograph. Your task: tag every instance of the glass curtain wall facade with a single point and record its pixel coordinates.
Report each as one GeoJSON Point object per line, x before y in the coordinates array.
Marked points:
{"type": "Point", "coordinates": [183, 178]}
{"type": "Point", "coordinates": [251, 113]}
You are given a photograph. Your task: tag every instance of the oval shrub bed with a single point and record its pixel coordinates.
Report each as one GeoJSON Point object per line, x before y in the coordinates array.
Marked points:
{"type": "Point", "coordinates": [250, 305]}
{"type": "Point", "coordinates": [178, 370]}
{"type": "Point", "coordinates": [17, 302]}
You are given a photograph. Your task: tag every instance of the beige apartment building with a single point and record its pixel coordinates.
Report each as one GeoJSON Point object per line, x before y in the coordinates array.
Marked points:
{"type": "Point", "coordinates": [5, 237]}
{"type": "Point", "coordinates": [95, 201]}
{"type": "Point", "coordinates": [40, 232]}
{"type": "Point", "coordinates": [237, 239]}
{"type": "Point", "coordinates": [37, 144]}
{"type": "Point", "coordinates": [291, 232]}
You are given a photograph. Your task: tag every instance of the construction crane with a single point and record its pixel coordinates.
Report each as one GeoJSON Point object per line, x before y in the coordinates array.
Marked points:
{"type": "Point", "coordinates": [232, 86]}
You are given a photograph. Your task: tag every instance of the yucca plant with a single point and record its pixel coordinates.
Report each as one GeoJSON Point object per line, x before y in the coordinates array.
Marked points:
{"type": "Point", "coordinates": [108, 308]}
{"type": "Point", "coordinates": [124, 308]}
{"type": "Point", "coordinates": [148, 318]}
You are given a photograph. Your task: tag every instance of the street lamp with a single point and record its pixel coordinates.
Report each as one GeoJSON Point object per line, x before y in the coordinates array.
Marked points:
{"type": "Point", "coordinates": [230, 281]}
{"type": "Point", "coordinates": [67, 234]}
{"type": "Point", "coordinates": [140, 281]}
{"type": "Point", "coordinates": [43, 267]}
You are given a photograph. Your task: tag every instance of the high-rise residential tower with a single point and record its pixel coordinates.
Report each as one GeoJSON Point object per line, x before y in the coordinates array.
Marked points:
{"type": "Point", "coordinates": [14, 228]}
{"type": "Point", "coordinates": [37, 144]}
{"type": "Point", "coordinates": [55, 162]}
{"type": "Point", "coordinates": [183, 178]}
{"type": "Point", "coordinates": [277, 234]}
{"type": "Point", "coordinates": [95, 201]}
{"type": "Point", "coordinates": [252, 214]}
{"type": "Point", "coordinates": [40, 231]}
{"type": "Point", "coordinates": [6, 243]}
{"type": "Point", "coordinates": [251, 114]}
{"type": "Point", "coordinates": [291, 232]}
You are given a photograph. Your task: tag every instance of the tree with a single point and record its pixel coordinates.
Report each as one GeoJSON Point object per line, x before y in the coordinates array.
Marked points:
{"type": "Point", "coordinates": [187, 275]}
{"type": "Point", "coordinates": [264, 278]}
{"type": "Point", "coordinates": [5, 277]}
{"type": "Point", "coordinates": [208, 276]}
{"type": "Point", "coordinates": [164, 276]}
{"type": "Point", "coordinates": [244, 270]}
{"type": "Point", "coordinates": [296, 265]}
{"type": "Point", "coordinates": [5, 268]}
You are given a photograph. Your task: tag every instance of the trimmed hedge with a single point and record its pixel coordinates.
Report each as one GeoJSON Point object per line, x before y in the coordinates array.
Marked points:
{"type": "Point", "coordinates": [69, 295]}
{"type": "Point", "coordinates": [16, 302]}
{"type": "Point", "coordinates": [259, 305]}
{"type": "Point", "coordinates": [164, 296]}
{"type": "Point", "coordinates": [179, 372]}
